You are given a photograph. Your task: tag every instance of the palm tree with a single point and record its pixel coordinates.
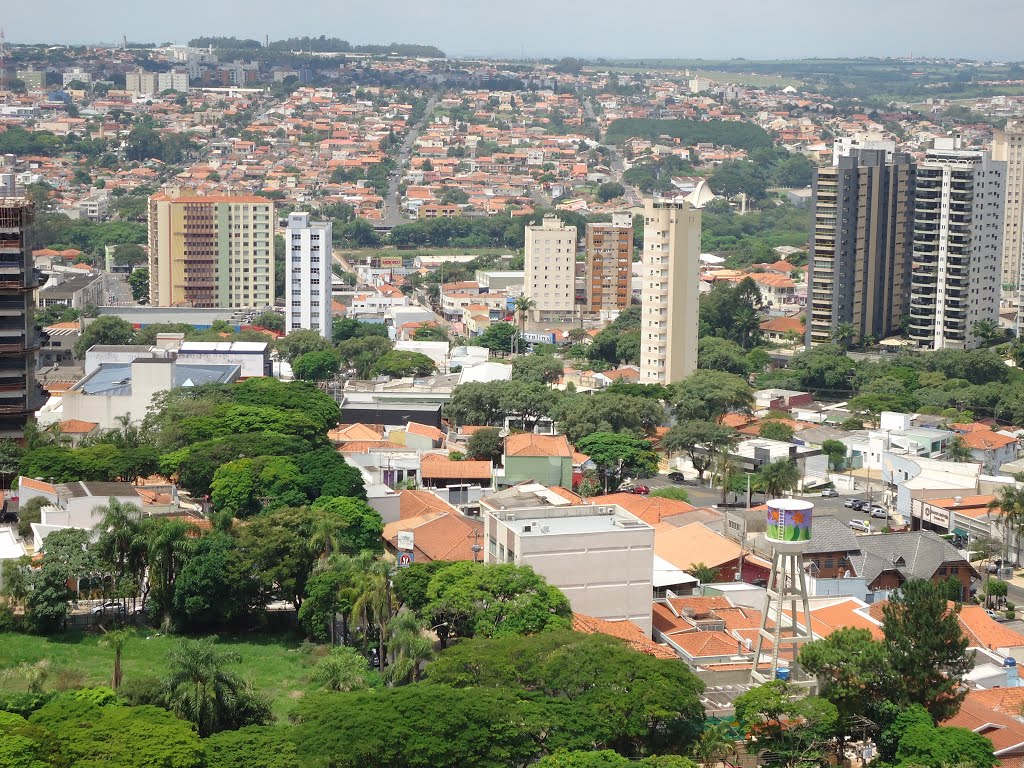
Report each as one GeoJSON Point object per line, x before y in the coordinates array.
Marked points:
{"type": "Point", "coordinates": [778, 477]}
{"type": "Point", "coordinates": [410, 649]}
{"type": "Point", "coordinates": [169, 543]}
{"type": "Point", "coordinates": [120, 541]}
{"type": "Point", "coordinates": [1010, 502]}
{"type": "Point", "coordinates": [116, 639]}
{"type": "Point", "coordinates": [343, 669]}
{"type": "Point", "coordinates": [325, 535]}
{"type": "Point", "coordinates": [988, 331]}
{"type": "Point", "coordinates": [373, 606]}
{"type": "Point", "coordinates": [198, 688]}
{"type": "Point", "coordinates": [713, 744]}
{"type": "Point", "coordinates": [523, 304]}
{"type": "Point", "coordinates": [959, 451]}
{"type": "Point", "coordinates": [844, 334]}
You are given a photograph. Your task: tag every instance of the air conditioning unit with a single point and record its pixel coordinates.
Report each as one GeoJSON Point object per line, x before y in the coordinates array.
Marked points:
{"type": "Point", "coordinates": [510, 517]}
{"type": "Point", "coordinates": [545, 529]}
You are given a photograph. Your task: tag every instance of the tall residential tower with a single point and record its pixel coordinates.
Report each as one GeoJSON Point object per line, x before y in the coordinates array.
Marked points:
{"type": "Point", "coordinates": [958, 239]}
{"type": "Point", "coordinates": [308, 275]}
{"type": "Point", "coordinates": [1008, 146]}
{"type": "Point", "coordinates": [550, 269]}
{"type": "Point", "coordinates": [610, 263]}
{"type": "Point", "coordinates": [210, 251]}
{"type": "Point", "coordinates": [671, 291]}
{"type": "Point", "coordinates": [861, 247]}
{"type": "Point", "coordinates": [20, 395]}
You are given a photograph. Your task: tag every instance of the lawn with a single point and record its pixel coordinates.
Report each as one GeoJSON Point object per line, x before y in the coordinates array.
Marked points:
{"type": "Point", "coordinates": [278, 666]}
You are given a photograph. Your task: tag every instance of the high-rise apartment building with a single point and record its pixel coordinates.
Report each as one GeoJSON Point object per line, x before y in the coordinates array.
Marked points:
{"type": "Point", "coordinates": [958, 239]}
{"type": "Point", "coordinates": [861, 246]}
{"type": "Point", "coordinates": [210, 251]}
{"type": "Point", "coordinates": [1008, 146]}
{"type": "Point", "coordinates": [20, 395]}
{"type": "Point", "coordinates": [308, 275]}
{"type": "Point", "coordinates": [669, 299]}
{"type": "Point", "coordinates": [610, 263]}
{"type": "Point", "coordinates": [550, 269]}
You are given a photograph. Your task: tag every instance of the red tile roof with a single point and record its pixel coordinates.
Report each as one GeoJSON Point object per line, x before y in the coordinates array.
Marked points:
{"type": "Point", "coordinates": [436, 467]}
{"type": "Point", "coordinates": [77, 427]}
{"type": "Point", "coordinates": [529, 444]}
{"type": "Point", "coordinates": [626, 631]}
{"type": "Point", "coordinates": [439, 536]}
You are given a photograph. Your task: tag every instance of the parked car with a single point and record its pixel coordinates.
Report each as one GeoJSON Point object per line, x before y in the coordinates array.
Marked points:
{"type": "Point", "coordinates": [830, 493]}
{"type": "Point", "coordinates": [107, 608]}
{"type": "Point", "coordinates": [677, 477]}
{"type": "Point", "coordinates": [879, 512]}
{"type": "Point", "coordinates": [860, 506]}
{"type": "Point", "coordinates": [995, 615]}
{"type": "Point", "coordinates": [8, 517]}
{"type": "Point", "coordinates": [852, 503]}
{"type": "Point", "coordinates": [860, 526]}
{"type": "Point", "coordinates": [640, 490]}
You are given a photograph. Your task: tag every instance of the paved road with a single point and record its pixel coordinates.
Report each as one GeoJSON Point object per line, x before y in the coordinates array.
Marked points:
{"type": "Point", "coordinates": [617, 164]}
{"type": "Point", "coordinates": [392, 208]}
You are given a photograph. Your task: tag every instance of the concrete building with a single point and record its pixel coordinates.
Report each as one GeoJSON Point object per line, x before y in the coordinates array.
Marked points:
{"type": "Point", "coordinates": [210, 251]}
{"type": "Point", "coordinates": [307, 282]}
{"type": "Point", "coordinates": [609, 263]}
{"type": "Point", "coordinates": [958, 238]}
{"type": "Point", "coordinates": [671, 260]}
{"type": "Point", "coordinates": [843, 146]}
{"type": "Point", "coordinates": [600, 556]}
{"type": "Point", "coordinates": [76, 75]}
{"type": "Point", "coordinates": [1008, 146]}
{"type": "Point", "coordinates": [20, 395]}
{"type": "Point", "coordinates": [115, 390]}
{"type": "Point", "coordinates": [175, 80]}
{"type": "Point", "coordinates": [861, 247]}
{"type": "Point", "coordinates": [141, 83]}
{"type": "Point", "coordinates": [550, 269]}
{"type": "Point", "coordinates": [34, 79]}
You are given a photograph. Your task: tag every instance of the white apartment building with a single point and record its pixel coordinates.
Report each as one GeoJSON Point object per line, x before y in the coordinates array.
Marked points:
{"type": "Point", "coordinates": [175, 80]}
{"type": "Point", "coordinates": [76, 74]}
{"type": "Point", "coordinates": [550, 269]}
{"type": "Point", "coordinates": [958, 245]}
{"type": "Point", "coordinates": [670, 295]}
{"type": "Point", "coordinates": [600, 556]}
{"type": "Point", "coordinates": [1008, 146]}
{"type": "Point", "coordinates": [308, 275]}
{"type": "Point", "coordinates": [843, 146]}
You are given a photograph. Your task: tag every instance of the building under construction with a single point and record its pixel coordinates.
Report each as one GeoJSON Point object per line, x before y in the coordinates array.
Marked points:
{"type": "Point", "coordinates": [20, 394]}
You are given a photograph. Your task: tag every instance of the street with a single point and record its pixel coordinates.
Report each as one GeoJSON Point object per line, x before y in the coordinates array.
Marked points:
{"type": "Point", "coordinates": [392, 206]}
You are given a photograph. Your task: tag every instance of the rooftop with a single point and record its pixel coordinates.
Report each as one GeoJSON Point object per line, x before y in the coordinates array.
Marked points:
{"type": "Point", "coordinates": [115, 379]}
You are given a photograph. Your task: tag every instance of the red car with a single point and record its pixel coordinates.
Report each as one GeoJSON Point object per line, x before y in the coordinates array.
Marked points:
{"type": "Point", "coordinates": [641, 490]}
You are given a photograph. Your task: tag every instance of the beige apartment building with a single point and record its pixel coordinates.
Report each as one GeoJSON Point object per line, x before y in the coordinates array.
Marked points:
{"type": "Point", "coordinates": [1008, 146]}
{"type": "Point", "coordinates": [550, 269]}
{"type": "Point", "coordinates": [671, 291]}
{"type": "Point", "coordinates": [609, 263]}
{"type": "Point", "coordinates": [210, 251]}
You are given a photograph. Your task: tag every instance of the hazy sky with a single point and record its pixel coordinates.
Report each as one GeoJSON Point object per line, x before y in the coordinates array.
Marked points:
{"type": "Point", "coordinates": [984, 29]}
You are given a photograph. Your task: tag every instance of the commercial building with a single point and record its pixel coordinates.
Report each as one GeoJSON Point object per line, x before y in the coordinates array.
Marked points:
{"type": "Point", "coordinates": [958, 239]}
{"type": "Point", "coordinates": [669, 301]}
{"type": "Point", "coordinates": [609, 263]}
{"type": "Point", "coordinates": [550, 269]}
{"type": "Point", "coordinates": [1008, 146]}
{"type": "Point", "coordinates": [20, 395]}
{"type": "Point", "coordinates": [600, 556]}
{"type": "Point", "coordinates": [210, 251]}
{"type": "Point", "coordinates": [308, 275]}
{"type": "Point", "coordinates": [861, 247]}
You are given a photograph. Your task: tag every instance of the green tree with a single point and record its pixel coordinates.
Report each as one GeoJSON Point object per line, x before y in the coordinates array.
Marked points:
{"type": "Point", "coordinates": [215, 587]}
{"type": "Point", "coordinates": [316, 366]}
{"type": "Point", "coordinates": [130, 254]}
{"type": "Point", "coordinates": [272, 321]}
{"type": "Point", "coordinates": [104, 330]}
{"type": "Point", "coordinates": [714, 743]}
{"type": "Point", "coordinates": [844, 335]}
{"type": "Point", "coordinates": [343, 669]}
{"type": "Point", "coordinates": [430, 332]}
{"type": "Point", "coordinates": [988, 332]}
{"type": "Point", "coordinates": [301, 342]}
{"type": "Point", "coordinates": [777, 477]}
{"type": "Point", "coordinates": [836, 452]}
{"type": "Point", "coordinates": [610, 191]}
{"type": "Point", "coordinates": [200, 687]}
{"type": "Point", "coordinates": [360, 524]}
{"type": "Point", "coordinates": [619, 455]}
{"type": "Point", "coordinates": [959, 451]}
{"type": "Point", "coordinates": [399, 364]}
{"type": "Point", "coordinates": [116, 640]}
{"type": "Point", "coordinates": [926, 648]}
{"type": "Point", "coordinates": [701, 441]}
{"type": "Point", "coordinates": [582, 415]}
{"type": "Point", "coordinates": [710, 395]}
{"type": "Point", "coordinates": [718, 354]}
{"type": "Point", "coordinates": [543, 369]}
{"type": "Point", "coordinates": [773, 429]}
{"type": "Point", "coordinates": [138, 281]}
{"type": "Point", "coordinates": [794, 730]}
{"type": "Point", "coordinates": [409, 647]}
{"type": "Point", "coordinates": [498, 338]}
{"type": "Point", "coordinates": [486, 444]}
{"type": "Point", "coordinates": [852, 669]}
{"type": "Point", "coordinates": [253, 746]}
{"type": "Point", "coordinates": [733, 312]}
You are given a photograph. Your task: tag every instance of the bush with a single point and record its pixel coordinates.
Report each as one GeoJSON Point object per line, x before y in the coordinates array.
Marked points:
{"type": "Point", "coordinates": [1011, 615]}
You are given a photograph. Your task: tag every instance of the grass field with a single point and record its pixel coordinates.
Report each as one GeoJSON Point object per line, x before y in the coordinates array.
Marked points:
{"type": "Point", "coordinates": [278, 666]}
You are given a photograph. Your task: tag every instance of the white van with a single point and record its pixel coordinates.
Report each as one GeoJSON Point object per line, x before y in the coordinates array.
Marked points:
{"type": "Point", "coordinates": [860, 526]}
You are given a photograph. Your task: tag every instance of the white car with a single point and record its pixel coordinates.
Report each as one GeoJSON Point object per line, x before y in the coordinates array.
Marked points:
{"type": "Point", "coordinates": [107, 608]}
{"type": "Point", "coordinates": [860, 526]}
{"type": "Point", "coordinates": [830, 493]}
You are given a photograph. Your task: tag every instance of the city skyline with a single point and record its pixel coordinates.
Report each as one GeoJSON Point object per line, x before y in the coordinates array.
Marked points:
{"type": "Point", "coordinates": [465, 29]}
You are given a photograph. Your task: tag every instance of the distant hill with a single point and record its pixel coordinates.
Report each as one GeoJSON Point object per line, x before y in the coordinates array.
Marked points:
{"type": "Point", "coordinates": [322, 44]}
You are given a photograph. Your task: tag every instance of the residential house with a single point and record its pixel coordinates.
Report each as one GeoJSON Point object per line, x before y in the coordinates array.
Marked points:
{"type": "Point", "coordinates": [544, 459]}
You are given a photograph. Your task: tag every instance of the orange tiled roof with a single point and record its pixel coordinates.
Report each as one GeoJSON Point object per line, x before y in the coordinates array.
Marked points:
{"type": "Point", "coordinates": [77, 427]}
{"type": "Point", "coordinates": [436, 467]}
{"type": "Point", "coordinates": [37, 485]}
{"type": "Point", "coordinates": [439, 535]}
{"type": "Point", "coordinates": [529, 444]}
{"type": "Point", "coordinates": [986, 440]}
{"type": "Point", "coordinates": [416, 503]}
{"type": "Point", "coordinates": [626, 631]}
{"type": "Point", "coordinates": [424, 430]}
{"type": "Point", "coordinates": [650, 509]}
